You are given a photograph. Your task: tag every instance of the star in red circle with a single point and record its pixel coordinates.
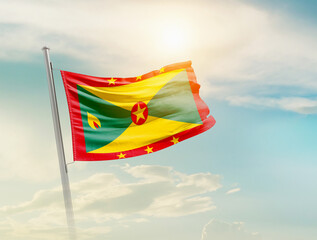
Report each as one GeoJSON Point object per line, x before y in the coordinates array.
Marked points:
{"type": "Point", "coordinates": [139, 113]}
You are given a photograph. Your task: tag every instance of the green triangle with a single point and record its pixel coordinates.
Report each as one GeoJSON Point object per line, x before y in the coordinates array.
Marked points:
{"type": "Point", "coordinates": [175, 101]}
{"type": "Point", "coordinates": [114, 120]}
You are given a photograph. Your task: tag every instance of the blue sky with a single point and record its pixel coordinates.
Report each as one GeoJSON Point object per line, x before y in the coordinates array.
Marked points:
{"type": "Point", "coordinates": [304, 11]}
{"type": "Point", "coordinates": [251, 177]}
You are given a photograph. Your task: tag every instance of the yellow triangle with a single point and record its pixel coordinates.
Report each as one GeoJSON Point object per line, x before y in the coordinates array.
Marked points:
{"type": "Point", "coordinates": [153, 130]}
{"type": "Point", "coordinates": [126, 96]}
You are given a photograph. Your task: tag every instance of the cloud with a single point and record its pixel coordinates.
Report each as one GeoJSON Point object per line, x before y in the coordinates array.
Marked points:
{"type": "Point", "coordinates": [159, 192]}
{"type": "Point", "coordinates": [239, 51]}
{"type": "Point", "coordinates": [11, 229]}
{"type": "Point", "coordinates": [218, 230]}
{"type": "Point", "coordinates": [154, 191]}
{"type": "Point", "coordinates": [25, 152]}
{"type": "Point", "coordinates": [295, 104]}
{"type": "Point", "coordinates": [274, 68]}
{"type": "Point", "coordinates": [234, 190]}
{"type": "Point", "coordinates": [150, 172]}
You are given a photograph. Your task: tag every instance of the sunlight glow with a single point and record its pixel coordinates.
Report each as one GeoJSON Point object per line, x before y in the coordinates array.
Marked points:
{"type": "Point", "coordinates": [174, 38]}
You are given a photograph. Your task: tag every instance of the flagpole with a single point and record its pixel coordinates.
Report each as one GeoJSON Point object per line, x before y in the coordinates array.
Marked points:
{"type": "Point", "coordinates": [60, 147]}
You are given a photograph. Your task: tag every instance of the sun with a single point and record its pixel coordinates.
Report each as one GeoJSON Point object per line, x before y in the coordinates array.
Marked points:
{"type": "Point", "coordinates": [174, 38]}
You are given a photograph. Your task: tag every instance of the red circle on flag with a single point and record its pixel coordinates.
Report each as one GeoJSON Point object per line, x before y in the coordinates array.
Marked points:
{"type": "Point", "coordinates": [139, 113]}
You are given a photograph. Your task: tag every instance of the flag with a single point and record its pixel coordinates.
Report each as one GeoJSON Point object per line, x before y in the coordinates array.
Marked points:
{"type": "Point", "coordinates": [114, 118]}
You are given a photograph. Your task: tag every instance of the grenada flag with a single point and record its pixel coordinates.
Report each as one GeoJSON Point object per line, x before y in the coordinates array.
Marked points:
{"type": "Point", "coordinates": [113, 118]}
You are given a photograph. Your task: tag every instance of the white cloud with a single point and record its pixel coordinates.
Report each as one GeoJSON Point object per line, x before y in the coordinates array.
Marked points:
{"type": "Point", "coordinates": [234, 190]}
{"type": "Point", "coordinates": [274, 68]}
{"type": "Point", "coordinates": [295, 104]}
{"type": "Point", "coordinates": [103, 197]}
{"type": "Point", "coordinates": [25, 152]}
{"type": "Point", "coordinates": [150, 172]}
{"type": "Point", "coordinates": [218, 230]}
{"type": "Point", "coordinates": [160, 192]}
{"type": "Point", "coordinates": [238, 50]}
{"type": "Point", "coordinates": [16, 230]}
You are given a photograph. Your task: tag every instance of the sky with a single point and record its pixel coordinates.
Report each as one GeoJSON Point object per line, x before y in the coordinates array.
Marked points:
{"type": "Point", "coordinates": [251, 177]}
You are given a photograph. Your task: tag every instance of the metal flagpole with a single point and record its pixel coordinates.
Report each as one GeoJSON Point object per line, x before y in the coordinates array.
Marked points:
{"type": "Point", "coordinates": [60, 147]}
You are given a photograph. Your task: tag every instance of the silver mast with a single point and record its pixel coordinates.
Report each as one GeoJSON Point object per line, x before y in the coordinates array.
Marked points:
{"type": "Point", "coordinates": [60, 147]}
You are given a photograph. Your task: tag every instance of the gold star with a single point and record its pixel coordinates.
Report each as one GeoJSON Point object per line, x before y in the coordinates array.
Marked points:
{"type": "Point", "coordinates": [121, 155]}
{"type": "Point", "coordinates": [139, 113]}
{"type": "Point", "coordinates": [175, 140]}
{"type": "Point", "coordinates": [162, 70]}
{"type": "Point", "coordinates": [112, 81]}
{"type": "Point", "coordinates": [138, 78]}
{"type": "Point", "coordinates": [149, 149]}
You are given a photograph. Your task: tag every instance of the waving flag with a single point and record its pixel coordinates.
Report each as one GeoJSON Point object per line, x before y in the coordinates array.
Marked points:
{"type": "Point", "coordinates": [113, 118]}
